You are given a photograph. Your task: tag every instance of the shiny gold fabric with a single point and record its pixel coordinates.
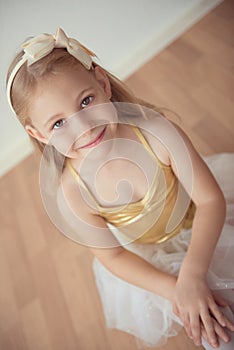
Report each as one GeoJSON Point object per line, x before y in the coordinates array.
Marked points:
{"type": "Point", "coordinates": [145, 221]}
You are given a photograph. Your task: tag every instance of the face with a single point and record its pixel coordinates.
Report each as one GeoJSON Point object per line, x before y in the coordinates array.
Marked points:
{"type": "Point", "coordinates": [72, 111]}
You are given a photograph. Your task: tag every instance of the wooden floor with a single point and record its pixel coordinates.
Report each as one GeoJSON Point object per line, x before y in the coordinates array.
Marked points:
{"type": "Point", "coordinates": [48, 298]}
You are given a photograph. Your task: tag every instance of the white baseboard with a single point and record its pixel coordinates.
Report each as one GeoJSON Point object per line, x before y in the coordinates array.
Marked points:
{"type": "Point", "coordinates": [163, 39]}
{"type": "Point", "coordinates": [23, 148]}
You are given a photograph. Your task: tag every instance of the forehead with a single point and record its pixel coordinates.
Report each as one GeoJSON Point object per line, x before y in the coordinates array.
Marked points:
{"type": "Point", "coordinates": [63, 79]}
{"type": "Point", "coordinates": [58, 91]}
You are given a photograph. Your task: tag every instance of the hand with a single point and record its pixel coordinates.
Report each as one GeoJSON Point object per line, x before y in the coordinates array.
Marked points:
{"type": "Point", "coordinates": [195, 305]}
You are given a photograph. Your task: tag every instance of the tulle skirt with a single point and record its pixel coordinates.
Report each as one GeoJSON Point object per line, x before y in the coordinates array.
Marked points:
{"type": "Point", "coordinates": [146, 315]}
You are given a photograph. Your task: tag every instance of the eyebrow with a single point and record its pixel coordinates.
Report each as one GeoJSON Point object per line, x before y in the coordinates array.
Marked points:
{"type": "Point", "coordinates": [55, 116]}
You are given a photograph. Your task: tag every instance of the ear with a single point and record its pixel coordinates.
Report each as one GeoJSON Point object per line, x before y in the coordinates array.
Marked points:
{"type": "Point", "coordinates": [103, 80]}
{"type": "Point", "coordinates": [33, 132]}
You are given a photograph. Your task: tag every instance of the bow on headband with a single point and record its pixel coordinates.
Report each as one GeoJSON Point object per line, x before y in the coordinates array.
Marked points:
{"type": "Point", "coordinates": [40, 46]}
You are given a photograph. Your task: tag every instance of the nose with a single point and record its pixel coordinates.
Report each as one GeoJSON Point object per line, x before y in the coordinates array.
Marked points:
{"type": "Point", "coordinates": [87, 133]}
{"type": "Point", "coordinates": [84, 138]}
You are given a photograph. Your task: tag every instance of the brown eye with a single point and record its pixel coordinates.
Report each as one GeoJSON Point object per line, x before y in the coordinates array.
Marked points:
{"type": "Point", "coordinates": [86, 101]}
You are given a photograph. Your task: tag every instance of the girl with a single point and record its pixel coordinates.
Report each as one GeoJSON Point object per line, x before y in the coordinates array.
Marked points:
{"type": "Point", "coordinates": [163, 246]}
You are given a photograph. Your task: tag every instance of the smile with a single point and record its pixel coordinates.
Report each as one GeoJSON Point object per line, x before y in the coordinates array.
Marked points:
{"type": "Point", "coordinates": [96, 141]}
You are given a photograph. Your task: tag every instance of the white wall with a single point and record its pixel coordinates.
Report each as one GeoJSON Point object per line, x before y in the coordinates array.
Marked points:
{"type": "Point", "coordinates": [123, 33]}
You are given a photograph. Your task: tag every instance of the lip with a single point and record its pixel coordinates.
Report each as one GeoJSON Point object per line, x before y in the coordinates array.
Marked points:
{"type": "Point", "coordinates": [95, 141]}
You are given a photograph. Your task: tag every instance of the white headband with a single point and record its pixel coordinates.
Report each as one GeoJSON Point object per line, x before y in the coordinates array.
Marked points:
{"type": "Point", "coordinates": [40, 46]}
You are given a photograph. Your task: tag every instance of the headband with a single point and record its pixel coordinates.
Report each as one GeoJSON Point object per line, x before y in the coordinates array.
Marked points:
{"type": "Point", "coordinates": [43, 44]}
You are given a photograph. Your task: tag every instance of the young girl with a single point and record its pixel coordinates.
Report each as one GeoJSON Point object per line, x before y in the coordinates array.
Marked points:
{"type": "Point", "coordinates": [130, 186]}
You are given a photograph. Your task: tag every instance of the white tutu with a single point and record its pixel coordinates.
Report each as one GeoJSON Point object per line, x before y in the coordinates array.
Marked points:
{"type": "Point", "coordinates": [146, 315]}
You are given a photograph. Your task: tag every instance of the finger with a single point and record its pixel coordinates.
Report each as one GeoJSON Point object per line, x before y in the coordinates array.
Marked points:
{"type": "Point", "coordinates": [229, 324]}
{"type": "Point", "coordinates": [220, 331]}
{"type": "Point", "coordinates": [217, 313]}
{"type": "Point", "coordinates": [229, 318]}
{"type": "Point", "coordinates": [195, 325]}
{"type": "Point", "coordinates": [208, 324]}
{"type": "Point", "coordinates": [186, 323]}
{"type": "Point", "coordinates": [221, 318]}
{"type": "Point", "coordinates": [204, 334]}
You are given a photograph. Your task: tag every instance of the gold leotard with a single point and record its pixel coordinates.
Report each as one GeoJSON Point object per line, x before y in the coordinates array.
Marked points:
{"type": "Point", "coordinates": [145, 221]}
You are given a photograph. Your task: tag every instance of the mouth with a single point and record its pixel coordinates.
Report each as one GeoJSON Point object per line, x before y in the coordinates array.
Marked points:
{"type": "Point", "coordinates": [96, 141]}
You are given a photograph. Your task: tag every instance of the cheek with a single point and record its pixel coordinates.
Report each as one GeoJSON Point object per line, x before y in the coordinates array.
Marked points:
{"type": "Point", "coordinates": [63, 139]}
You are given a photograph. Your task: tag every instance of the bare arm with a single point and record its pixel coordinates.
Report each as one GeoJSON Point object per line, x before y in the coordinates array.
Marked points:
{"type": "Point", "coordinates": [193, 299]}
{"type": "Point", "coordinates": [194, 302]}
{"type": "Point", "coordinates": [209, 217]}
{"type": "Point", "coordinates": [135, 270]}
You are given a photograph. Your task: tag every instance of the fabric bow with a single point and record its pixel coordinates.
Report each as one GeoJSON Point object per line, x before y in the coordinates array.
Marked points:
{"type": "Point", "coordinates": [40, 46]}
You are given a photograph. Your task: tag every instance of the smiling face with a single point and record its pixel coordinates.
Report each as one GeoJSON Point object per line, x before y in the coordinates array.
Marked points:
{"type": "Point", "coordinates": [59, 111]}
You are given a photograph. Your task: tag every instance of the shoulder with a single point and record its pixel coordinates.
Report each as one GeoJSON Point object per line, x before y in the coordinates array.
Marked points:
{"type": "Point", "coordinates": [186, 162]}
{"type": "Point", "coordinates": [176, 146]}
{"type": "Point", "coordinates": [72, 195]}
{"type": "Point", "coordinates": [164, 137]}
